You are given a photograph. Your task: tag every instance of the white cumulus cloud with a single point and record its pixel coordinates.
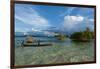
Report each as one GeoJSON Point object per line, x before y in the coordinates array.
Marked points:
{"type": "Point", "coordinates": [76, 23]}
{"type": "Point", "coordinates": [73, 18]}
{"type": "Point", "coordinates": [71, 21]}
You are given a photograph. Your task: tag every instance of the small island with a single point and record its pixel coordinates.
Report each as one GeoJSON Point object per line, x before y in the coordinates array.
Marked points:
{"type": "Point", "coordinates": [83, 36]}
{"type": "Point", "coordinates": [60, 37]}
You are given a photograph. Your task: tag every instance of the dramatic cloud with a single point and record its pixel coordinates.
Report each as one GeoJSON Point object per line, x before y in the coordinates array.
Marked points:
{"type": "Point", "coordinates": [52, 19]}
{"type": "Point", "coordinates": [27, 15]}
{"type": "Point", "coordinates": [74, 18]}
{"type": "Point", "coordinates": [71, 21]}
{"type": "Point", "coordinates": [77, 23]}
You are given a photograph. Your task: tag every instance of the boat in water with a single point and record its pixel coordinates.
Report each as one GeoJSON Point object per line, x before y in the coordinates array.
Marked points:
{"type": "Point", "coordinates": [32, 42]}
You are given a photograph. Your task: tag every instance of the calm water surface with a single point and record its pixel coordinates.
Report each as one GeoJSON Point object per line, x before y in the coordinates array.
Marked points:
{"type": "Point", "coordinates": [60, 52]}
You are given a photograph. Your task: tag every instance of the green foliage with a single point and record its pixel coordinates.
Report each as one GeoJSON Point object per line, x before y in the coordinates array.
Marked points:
{"type": "Point", "coordinates": [85, 35]}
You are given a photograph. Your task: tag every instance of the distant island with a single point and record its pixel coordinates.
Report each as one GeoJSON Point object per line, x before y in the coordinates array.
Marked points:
{"type": "Point", "coordinates": [60, 36]}
{"type": "Point", "coordinates": [83, 35]}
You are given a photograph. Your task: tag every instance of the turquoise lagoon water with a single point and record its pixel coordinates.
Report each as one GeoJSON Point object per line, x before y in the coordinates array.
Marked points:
{"type": "Point", "coordinates": [65, 51]}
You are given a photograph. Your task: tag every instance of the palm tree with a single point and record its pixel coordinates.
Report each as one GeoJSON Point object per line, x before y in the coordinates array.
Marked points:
{"type": "Point", "coordinates": [82, 36]}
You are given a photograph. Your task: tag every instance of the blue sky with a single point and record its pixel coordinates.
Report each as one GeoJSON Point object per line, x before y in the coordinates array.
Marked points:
{"type": "Point", "coordinates": [59, 18]}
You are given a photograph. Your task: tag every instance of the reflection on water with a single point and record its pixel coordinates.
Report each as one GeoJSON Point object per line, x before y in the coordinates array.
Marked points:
{"type": "Point", "coordinates": [60, 52]}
